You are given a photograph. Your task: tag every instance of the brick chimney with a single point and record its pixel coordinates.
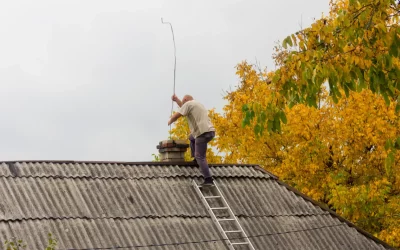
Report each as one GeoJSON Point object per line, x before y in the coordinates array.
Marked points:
{"type": "Point", "coordinates": [172, 150]}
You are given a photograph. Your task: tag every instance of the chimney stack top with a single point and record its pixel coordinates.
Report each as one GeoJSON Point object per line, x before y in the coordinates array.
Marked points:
{"type": "Point", "coordinates": [172, 150]}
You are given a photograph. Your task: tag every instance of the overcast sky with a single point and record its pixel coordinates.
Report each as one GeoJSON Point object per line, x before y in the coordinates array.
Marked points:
{"type": "Point", "coordinates": [92, 79]}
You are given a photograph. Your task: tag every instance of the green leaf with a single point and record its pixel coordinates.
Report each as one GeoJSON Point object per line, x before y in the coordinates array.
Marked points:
{"type": "Point", "coordinates": [388, 144]}
{"type": "Point", "coordinates": [270, 125]}
{"type": "Point", "coordinates": [372, 80]}
{"type": "Point", "coordinates": [276, 76]}
{"type": "Point", "coordinates": [352, 85]}
{"type": "Point", "coordinates": [330, 83]}
{"type": "Point", "coordinates": [284, 43]}
{"type": "Point", "coordinates": [353, 74]}
{"type": "Point", "coordinates": [277, 125]}
{"type": "Point", "coordinates": [245, 108]}
{"type": "Point", "coordinates": [391, 157]}
{"type": "Point", "coordinates": [293, 37]}
{"type": "Point", "coordinates": [392, 74]}
{"type": "Point", "coordinates": [251, 115]}
{"type": "Point", "coordinates": [388, 163]}
{"type": "Point", "coordinates": [257, 129]}
{"type": "Point", "coordinates": [346, 90]}
{"type": "Point", "coordinates": [385, 96]}
{"type": "Point", "coordinates": [283, 117]}
{"type": "Point", "coordinates": [361, 80]}
{"type": "Point", "coordinates": [263, 117]}
{"type": "Point", "coordinates": [262, 130]}
{"type": "Point", "coordinates": [335, 99]}
{"type": "Point", "coordinates": [246, 120]}
{"type": "Point", "coordinates": [382, 78]}
{"type": "Point", "coordinates": [337, 92]}
{"type": "Point", "coordinates": [289, 41]}
{"type": "Point", "coordinates": [388, 61]}
{"type": "Point", "coordinates": [313, 101]}
{"type": "Point", "coordinates": [394, 50]}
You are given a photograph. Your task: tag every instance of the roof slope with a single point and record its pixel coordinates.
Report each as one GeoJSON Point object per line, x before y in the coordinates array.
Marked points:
{"type": "Point", "coordinates": [102, 205]}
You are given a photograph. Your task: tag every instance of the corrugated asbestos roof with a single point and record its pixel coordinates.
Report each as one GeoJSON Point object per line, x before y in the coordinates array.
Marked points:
{"type": "Point", "coordinates": [89, 205]}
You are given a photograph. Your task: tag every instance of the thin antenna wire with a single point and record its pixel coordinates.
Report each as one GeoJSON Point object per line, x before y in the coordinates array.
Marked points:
{"type": "Point", "coordinates": [173, 38]}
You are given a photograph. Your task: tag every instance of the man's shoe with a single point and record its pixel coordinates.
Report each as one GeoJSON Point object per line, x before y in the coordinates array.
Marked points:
{"type": "Point", "coordinates": [208, 182]}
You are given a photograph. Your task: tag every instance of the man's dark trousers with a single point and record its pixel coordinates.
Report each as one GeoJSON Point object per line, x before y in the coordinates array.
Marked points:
{"type": "Point", "coordinates": [198, 147]}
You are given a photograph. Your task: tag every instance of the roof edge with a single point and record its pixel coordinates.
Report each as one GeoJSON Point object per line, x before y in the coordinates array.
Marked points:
{"type": "Point", "coordinates": [151, 163]}
{"type": "Point", "coordinates": [259, 168]}
{"type": "Point", "coordinates": [334, 214]}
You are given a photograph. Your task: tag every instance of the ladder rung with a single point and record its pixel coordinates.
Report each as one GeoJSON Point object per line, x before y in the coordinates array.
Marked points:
{"type": "Point", "coordinates": [238, 231]}
{"type": "Point", "coordinates": [219, 208]}
{"type": "Point", "coordinates": [240, 243]}
{"type": "Point", "coordinates": [225, 219]}
{"type": "Point", "coordinates": [212, 197]}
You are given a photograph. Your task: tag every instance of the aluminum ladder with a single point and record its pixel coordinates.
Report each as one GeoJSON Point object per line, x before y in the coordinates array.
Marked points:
{"type": "Point", "coordinates": [223, 217]}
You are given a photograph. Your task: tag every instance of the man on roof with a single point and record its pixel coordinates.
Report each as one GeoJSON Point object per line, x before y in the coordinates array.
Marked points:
{"type": "Point", "coordinates": [201, 129]}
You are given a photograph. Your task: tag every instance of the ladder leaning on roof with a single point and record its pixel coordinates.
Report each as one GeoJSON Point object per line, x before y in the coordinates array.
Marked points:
{"type": "Point", "coordinates": [227, 223]}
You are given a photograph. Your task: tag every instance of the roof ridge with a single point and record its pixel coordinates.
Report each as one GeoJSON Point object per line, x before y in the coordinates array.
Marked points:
{"type": "Point", "coordinates": [149, 163]}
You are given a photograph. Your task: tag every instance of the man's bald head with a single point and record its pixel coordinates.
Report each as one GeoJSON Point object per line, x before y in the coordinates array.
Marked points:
{"type": "Point", "coordinates": [187, 98]}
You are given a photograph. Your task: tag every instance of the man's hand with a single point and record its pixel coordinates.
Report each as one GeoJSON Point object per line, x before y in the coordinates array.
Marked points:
{"type": "Point", "coordinates": [177, 100]}
{"type": "Point", "coordinates": [174, 117]}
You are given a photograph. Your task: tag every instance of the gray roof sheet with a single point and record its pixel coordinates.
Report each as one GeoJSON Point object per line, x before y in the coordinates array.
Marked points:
{"type": "Point", "coordinates": [305, 232]}
{"type": "Point", "coordinates": [88, 204]}
{"type": "Point", "coordinates": [106, 232]}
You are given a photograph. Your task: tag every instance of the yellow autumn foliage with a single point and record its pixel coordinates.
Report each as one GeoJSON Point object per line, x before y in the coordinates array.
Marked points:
{"type": "Point", "coordinates": [327, 121]}
{"type": "Point", "coordinates": [335, 153]}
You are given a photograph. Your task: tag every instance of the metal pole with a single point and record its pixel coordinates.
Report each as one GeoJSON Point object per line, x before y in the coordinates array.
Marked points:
{"type": "Point", "coordinates": [173, 38]}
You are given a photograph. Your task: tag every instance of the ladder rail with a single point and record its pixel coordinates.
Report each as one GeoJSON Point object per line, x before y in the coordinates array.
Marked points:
{"type": "Point", "coordinates": [224, 236]}
{"type": "Point", "coordinates": [245, 237]}
{"type": "Point", "coordinates": [232, 217]}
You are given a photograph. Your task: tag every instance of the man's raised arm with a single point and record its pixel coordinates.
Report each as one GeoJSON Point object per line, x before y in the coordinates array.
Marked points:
{"type": "Point", "coordinates": [177, 100]}
{"type": "Point", "coordinates": [174, 117]}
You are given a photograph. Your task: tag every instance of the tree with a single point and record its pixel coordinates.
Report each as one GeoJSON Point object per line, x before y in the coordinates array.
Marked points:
{"type": "Point", "coordinates": [327, 121]}
{"type": "Point", "coordinates": [355, 47]}
{"type": "Point", "coordinates": [336, 153]}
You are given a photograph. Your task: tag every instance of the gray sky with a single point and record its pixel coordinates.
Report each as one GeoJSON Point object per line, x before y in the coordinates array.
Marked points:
{"type": "Point", "coordinates": [92, 79]}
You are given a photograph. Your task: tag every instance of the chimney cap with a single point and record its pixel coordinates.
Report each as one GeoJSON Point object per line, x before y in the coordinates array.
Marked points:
{"type": "Point", "coordinates": [172, 150]}
{"type": "Point", "coordinates": [172, 144]}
